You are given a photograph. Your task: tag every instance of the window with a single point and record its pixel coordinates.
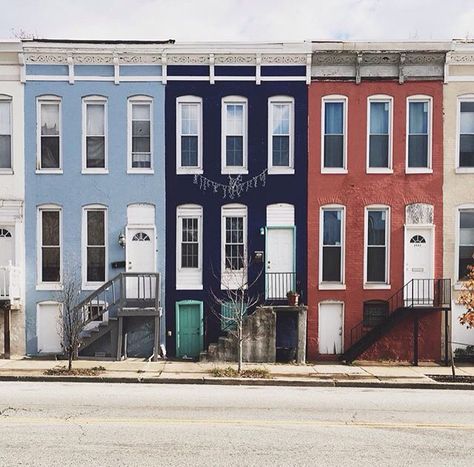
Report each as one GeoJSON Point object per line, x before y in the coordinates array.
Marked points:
{"type": "Point", "coordinates": [332, 252]}
{"type": "Point", "coordinates": [5, 135]}
{"type": "Point", "coordinates": [49, 271]}
{"type": "Point", "coordinates": [140, 134]}
{"type": "Point", "coordinates": [419, 134]}
{"type": "Point", "coordinates": [234, 134]}
{"type": "Point", "coordinates": [466, 242]}
{"type": "Point", "coordinates": [189, 247]}
{"type": "Point", "coordinates": [334, 134]}
{"type": "Point", "coordinates": [376, 245]}
{"type": "Point", "coordinates": [95, 245]}
{"type": "Point", "coordinates": [189, 134]}
{"type": "Point", "coordinates": [281, 131]}
{"type": "Point", "coordinates": [230, 311]}
{"type": "Point", "coordinates": [234, 245]}
{"type": "Point", "coordinates": [466, 134]}
{"type": "Point", "coordinates": [94, 140]}
{"type": "Point", "coordinates": [375, 312]}
{"type": "Point", "coordinates": [379, 136]}
{"type": "Point", "coordinates": [49, 134]}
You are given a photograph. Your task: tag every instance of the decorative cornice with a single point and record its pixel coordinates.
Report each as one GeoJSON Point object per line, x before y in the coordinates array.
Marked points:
{"type": "Point", "coordinates": [195, 59]}
{"type": "Point", "coordinates": [52, 59]}
{"type": "Point", "coordinates": [283, 59]}
{"type": "Point", "coordinates": [83, 59]}
{"type": "Point", "coordinates": [235, 59]}
{"type": "Point", "coordinates": [461, 59]}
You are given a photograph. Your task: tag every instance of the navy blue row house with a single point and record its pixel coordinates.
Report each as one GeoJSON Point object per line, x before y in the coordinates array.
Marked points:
{"type": "Point", "coordinates": [236, 188]}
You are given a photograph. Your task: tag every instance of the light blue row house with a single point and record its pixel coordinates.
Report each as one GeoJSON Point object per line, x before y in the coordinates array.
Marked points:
{"type": "Point", "coordinates": [95, 194]}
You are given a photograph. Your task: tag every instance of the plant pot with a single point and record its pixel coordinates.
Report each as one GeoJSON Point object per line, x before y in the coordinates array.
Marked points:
{"type": "Point", "coordinates": [293, 299]}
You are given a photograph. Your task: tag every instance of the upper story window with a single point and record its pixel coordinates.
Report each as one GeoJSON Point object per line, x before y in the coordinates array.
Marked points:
{"type": "Point", "coordinates": [465, 157]}
{"type": "Point", "coordinates": [49, 134]}
{"type": "Point", "coordinates": [140, 154]}
{"type": "Point", "coordinates": [5, 134]}
{"type": "Point", "coordinates": [379, 144]}
{"type": "Point", "coordinates": [332, 245]}
{"type": "Point", "coordinates": [334, 118]}
{"type": "Point", "coordinates": [419, 134]}
{"type": "Point", "coordinates": [281, 124]}
{"type": "Point", "coordinates": [94, 134]}
{"type": "Point", "coordinates": [376, 244]}
{"type": "Point", "coordinates": [234, 134]}
{"type": "Point", "coordinates": [95, 245]}
{"type": "Point", "coordinates": [49, 254]}
{"type": "Point", "coordinates": [465, 251]}
{"type": "Point", "coordinates": [189, 135]}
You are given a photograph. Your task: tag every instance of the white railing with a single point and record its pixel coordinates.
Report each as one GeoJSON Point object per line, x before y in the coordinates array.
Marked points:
{"type": "Point", "coordinates": [10, 283]}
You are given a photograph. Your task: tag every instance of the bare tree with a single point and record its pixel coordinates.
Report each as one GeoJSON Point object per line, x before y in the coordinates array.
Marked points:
{"type": "Point", "coordinates": [237, 298]}
{"type": "Point", "coordinates": [71, 318]}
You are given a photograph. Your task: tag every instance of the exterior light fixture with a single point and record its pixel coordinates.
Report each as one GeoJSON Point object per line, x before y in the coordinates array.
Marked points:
{"type": "Point", "coordinates": [121, 239]}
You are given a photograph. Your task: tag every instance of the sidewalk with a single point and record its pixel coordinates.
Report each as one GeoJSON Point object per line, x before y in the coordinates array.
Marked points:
{"type": "Point", "coordinates": [165, 371]}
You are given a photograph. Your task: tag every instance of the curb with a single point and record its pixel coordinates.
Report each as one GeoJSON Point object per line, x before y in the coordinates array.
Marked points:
{"type": "Point", "coordinates": [238, 382]}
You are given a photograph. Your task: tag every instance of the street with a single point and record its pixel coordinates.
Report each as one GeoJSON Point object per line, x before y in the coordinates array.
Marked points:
{"type": "Point", "coordinates": [138, 424]}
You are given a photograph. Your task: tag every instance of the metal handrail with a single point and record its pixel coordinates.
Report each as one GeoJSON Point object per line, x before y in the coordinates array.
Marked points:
{"type": "Point", "coordinates": [278, 284]}
{"type": "Point", "coordinates": [10, 282]}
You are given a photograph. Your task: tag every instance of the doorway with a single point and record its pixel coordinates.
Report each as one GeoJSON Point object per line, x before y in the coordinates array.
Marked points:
{"type": "Point", "coordinates": [330, 332]}
{"type": "Point", "coordinates": [189, 330]}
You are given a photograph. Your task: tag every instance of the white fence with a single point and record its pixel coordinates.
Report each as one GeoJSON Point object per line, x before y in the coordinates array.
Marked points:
{"type": "Point", "coordinates": [10, 281]}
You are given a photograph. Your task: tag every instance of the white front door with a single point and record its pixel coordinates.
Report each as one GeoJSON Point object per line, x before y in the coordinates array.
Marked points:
{"type": "Point", "coordinates": [47, 325]}
{"type": "Point", "coordinates": [331, 319]}
{"type": "Point", "coordinates": [419, 264]}
{"type": "Point", "coordinates": [7, 255]}
{"type": "Point", "coordinates": [140, 258]}
{"type": "Point", "coordinates": [279, 262]}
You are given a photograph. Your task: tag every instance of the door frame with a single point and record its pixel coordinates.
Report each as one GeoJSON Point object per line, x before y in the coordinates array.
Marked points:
{"type": "Point", "coordinates": [38, 325]}
{"type": "Point", "coordinates": [201, 321]}
{"type": "Point", "coordinates": [141, 226]}
{"type": "Point", "coordinates": [412, 227]}
{"type": "Point", "coordinates": [343, 315]}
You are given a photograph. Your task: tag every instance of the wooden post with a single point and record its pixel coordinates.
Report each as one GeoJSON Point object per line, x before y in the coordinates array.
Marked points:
{"type": "Point", "coordinates": [415, 340]}
{"type": "Point", "coordinates": [446, 337]}
{"type": "Point", "coordinates": [119, 338]}
{"type": "Point", "coordinates": [156, 345]}
{"type": "Point", "coordinates": [6, 330]}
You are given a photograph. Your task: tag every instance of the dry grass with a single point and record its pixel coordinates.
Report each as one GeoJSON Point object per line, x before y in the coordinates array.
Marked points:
{"type": "Point", "coordinates": [230, 372]}
{"type": "Point", "coordinates": [63, 371]}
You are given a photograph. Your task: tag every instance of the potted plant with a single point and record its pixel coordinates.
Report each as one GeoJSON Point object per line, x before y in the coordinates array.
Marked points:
{"type": "Point", "coordinates": [293, 298]}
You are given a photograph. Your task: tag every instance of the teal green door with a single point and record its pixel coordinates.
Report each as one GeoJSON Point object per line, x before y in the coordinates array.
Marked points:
{"type": "Point", "coordinates": [189, 325]}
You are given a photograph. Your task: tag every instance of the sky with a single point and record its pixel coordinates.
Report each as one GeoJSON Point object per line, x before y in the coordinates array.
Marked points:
{"type": "Point", "coordinates": [239, 20]}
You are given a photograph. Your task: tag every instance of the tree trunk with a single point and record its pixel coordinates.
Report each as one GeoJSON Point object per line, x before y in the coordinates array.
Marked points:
{"type": "Point", "coordinates": [69, 367]}
{"type": "Point", "coordinates": [239, 351]}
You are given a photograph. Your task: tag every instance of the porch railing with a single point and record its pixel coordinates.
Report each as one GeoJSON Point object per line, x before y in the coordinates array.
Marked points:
{"type": "Point", "coordinates": [10, 283]}
{"type": "Point", "coordinates": [278, 284]}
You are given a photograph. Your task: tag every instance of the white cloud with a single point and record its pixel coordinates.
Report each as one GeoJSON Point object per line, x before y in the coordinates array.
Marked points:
{"type": "Point", "coordinates": [237, 20]}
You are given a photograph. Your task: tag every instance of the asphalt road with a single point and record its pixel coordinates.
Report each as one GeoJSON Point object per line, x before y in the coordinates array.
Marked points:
{"type": "Point", "coordinates": [132, 424]}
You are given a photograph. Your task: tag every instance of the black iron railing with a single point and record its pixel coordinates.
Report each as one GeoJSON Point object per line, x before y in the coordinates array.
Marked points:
{"type": "Point", "coordinates": [278, 284]}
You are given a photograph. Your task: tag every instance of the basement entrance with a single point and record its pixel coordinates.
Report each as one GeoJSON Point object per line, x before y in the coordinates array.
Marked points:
{"type": "Point", "coordinates": [286, 336]}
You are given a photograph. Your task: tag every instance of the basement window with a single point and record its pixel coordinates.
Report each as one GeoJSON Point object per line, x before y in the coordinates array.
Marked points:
{"type": "Point", "coordinates": [375, 312]}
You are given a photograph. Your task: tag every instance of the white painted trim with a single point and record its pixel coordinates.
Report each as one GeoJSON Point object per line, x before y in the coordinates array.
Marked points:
{"type": "Point", "coordinates": [406, 238]}
{"type": "Point", "coordinates": [189, 100]}
{"type": "Point", "coordinates": [277, 170]}
{"type": "Point", "coordinates": [382, 98]}
{"type": "Point", "coordinates": [153, 241]}
{"type": "Point", "coordinates": [94, 100]}
{"type": "Point", "coordinates": [420, 98]}
{"type": "Point", "coordinates": [38, 322]}
{"type": "Point", "coordinates": [5, 98]}
{"type": "Point", "coordinates": [139, 100]}
{"type": "Point", "coordinates": [342, 283]}
{"type": "Point", "coordinates": [457, 234]}
{"type": "Point", "coordinates": [48, 99]}
{"type": "Point", "coordinates": [461, 98]}
{"type": "Point", "coordinates": [345, 102]}
{"type": "Point", "coordinates": [386, 284]}
{"type": "Point", "coordinates": [224, 102]}
{"type": "Point", "coordinates": [343, 320]}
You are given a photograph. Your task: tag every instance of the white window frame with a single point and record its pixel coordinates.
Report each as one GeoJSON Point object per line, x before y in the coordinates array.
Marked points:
{"type": "Point", "coordinates": [457, 240]}
{"type": "Point", "coordinates": [94, 100]}
{"type": "Point", "coordinates": [130, 102]}
{"type": "Point", "coordinates": [233, 279]}
{"type": "Point", "coordinates": [420, 170]}
{"type": "Point", "coordinates": [180, 170]}
{"type": "Point", "coordinates": [377, 207]}
{"type": "Point", "coordinates": [5, 98]}
{"type": "Point", "coordinates": [277, 170]}
{"type": "Point", "coordinates": [188, 278]}
{"type": "Point", "coordinates": [381, 98]}
{"type": "Point", "coordinates": [243, 169]}
{"type": "Point", "coordinates": [325, 285]}
{"type": "Point", "coordinates": [48, 100]}
{"type": "Point", "coordinates": [460, 99]}
{"type": "Point", "coordinates": [345, 101]}
{"type": "Point", "coordinates": [40, 285]}
{"type": "Point", "coordinates": [93, 207]}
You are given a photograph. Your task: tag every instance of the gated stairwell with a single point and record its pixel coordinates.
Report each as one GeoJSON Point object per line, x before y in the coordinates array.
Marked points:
{"type": "Point", "coordinates": [127, 294]}
{"type": "Point", "coordinates": [415, 297]}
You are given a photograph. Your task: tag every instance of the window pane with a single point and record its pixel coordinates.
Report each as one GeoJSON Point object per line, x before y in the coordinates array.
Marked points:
{"type": "Point", "coordinates": [332, 227]}
{"type": "Point", "coordinates": [235, 119]}
{"type": "Point", "coordinates": [95, 228]}
{"type": "Point", "coordinates": [141, 161]}
{"type": "Point", "coordinates": [281, 119]}
{"type": "Point", "coordinates": [418, 151]}
{"type": "Point", "coordinates": [189, 255]}
{"type": "Point", "coordinates": [378, 151]}
{"type": "Point", "coordinates": [234, 257]}
{"type": "Point", "coordinates": [189, 119]}
{"type": "Point", "coordinates": [466, 153]}
{"type": "Point", "coordinates": [95, 119]}
{"type": "Point", "coordinates": [141, 128]}
{"type": "Point", "coordinates": [376, 264]}
{"type": "Point", "coordinates": [5, 124]}
{"type": "Point", "coordinates": [418, 123]}
{"type": "Point", "coordinates": [376, 227]}
{"type": "Point", "coordinates": [50, 119]}
{"type": "Point", "coordinates": [50, 228]}
{"type": "Point", "coordinates": [467, 227]}
{"type": "Point", "coordinates": [50, 271]}
{"type": "Point", "coordinates": [334, 151]}
{"type": "Point", "coordinates": [467, 117]}
{"type": "Point", "coordinates": [95, 152]}
{"type": "Point", "coordinates": [95, 264]}
{"type": "Point", "coordinates": [50, 152]}
{"type": "Point", "coordinates": [375, 313]}
{"type": "Point", "coordinates": [234, 151]}
{"type": "Point", "coordinates": [379, 115]}
{"type": "Point", "coordinates": [5, 152]}
{"type": "Point", "coordinates": [466, 258]}
{"type": "Point", "coordinates": [281, 151]}
{"type": "Point", "coordinates": [141, 111]}
{"type": "Point", "coordinates": [332, 264]}
{"type": "Point", "coordinates": [334, 118]}
{"type": "Point", "coordinates": [189, 151]}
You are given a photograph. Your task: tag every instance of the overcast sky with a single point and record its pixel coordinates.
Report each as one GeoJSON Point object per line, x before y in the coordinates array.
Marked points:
{"type": "Point", "coordinates": [237, 20]}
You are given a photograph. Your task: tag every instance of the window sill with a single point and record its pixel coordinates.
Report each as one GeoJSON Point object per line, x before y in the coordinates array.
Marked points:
{"type": "Point", "coordinates": [418, 171]}
{"type": "Point", "coordinates": [329, 286]}
{"type": "Point", "coordinates": [140, 171]}
{"type": "Point", "coordinates": [379, 171]}
{"type": "Point", "coordinates": [377, 286]}
{"type": "Point", "coordinates": [92, 286]}
{"type": "Point", "coordinates": [49, 287]}
{"type": "Point", "coordinates": [189, 287]}
{"type": "Point", "coordinates": [95, 171]}
{"type": "Point", "coordinates": [234, 171]}
{"type": "Point", "coordinates": [6, 171]}
{"type": "Point", "coordinates": [464, 170]}
{"type": "Point", "coordinates": [334, 171]}
{"type": "Point", "coordinates": [459, 285]}
{"type": "Point", "coordinates": [281, 171]}
{"type": "Point", "coordinates": [194, 171]}
{"type": "Point", "coordinates": [49, 171]}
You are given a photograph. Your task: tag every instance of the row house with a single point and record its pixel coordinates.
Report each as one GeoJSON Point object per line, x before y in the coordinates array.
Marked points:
{"type": "Point", "coordinates": [458, 193]}
{"type": "Point", "coordinates": [375, 202]}
{"type": "Point", "coordinates": [12, 339]}
{"type": "Point", "coordinates": [236, 165]}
